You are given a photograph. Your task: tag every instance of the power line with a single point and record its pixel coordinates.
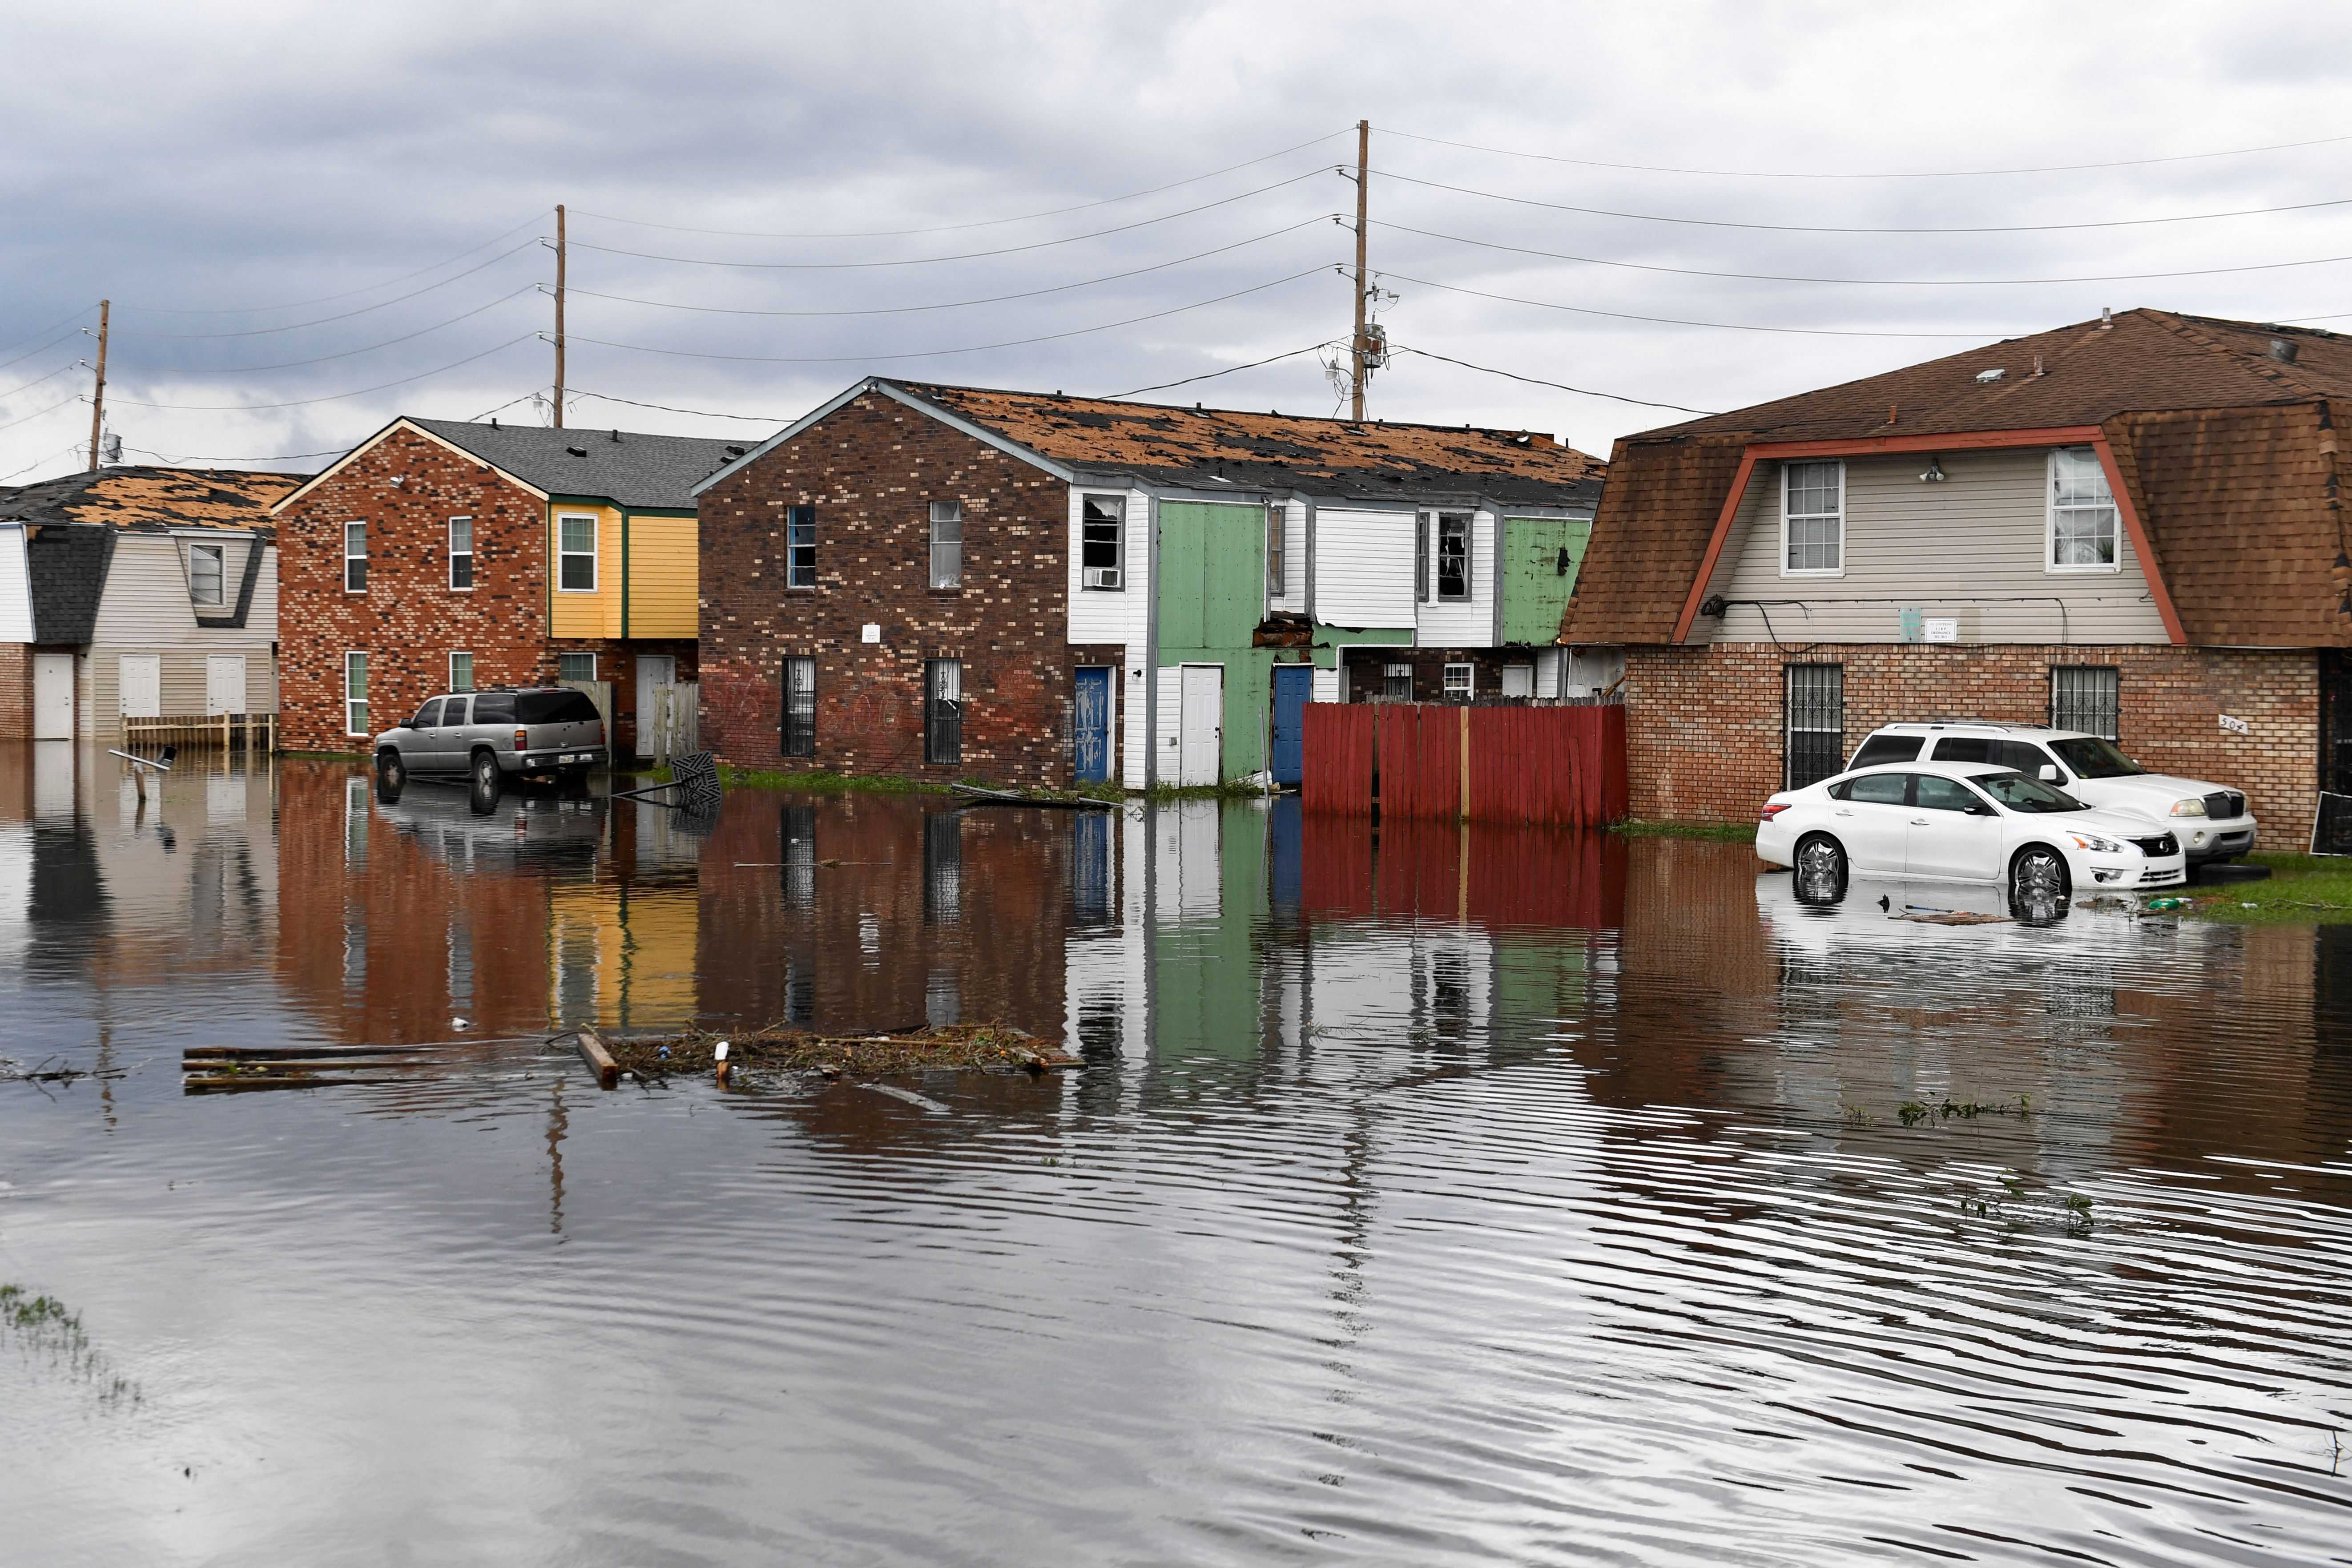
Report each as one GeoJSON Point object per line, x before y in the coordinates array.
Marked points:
{"type": "Point", "coordinates": [502, 407]}
{"type": "Point", "coordinates": [960, 304]}
{"type": "Point", "coordinates": [37, 462]}
{"type": "Point", "coordinates": [287, 458]}
{"type": "Point", "coordinates": [347, 293]}
{"type": "Point", "coordinates": [28, 354]}
{"type": "Point", "coordinates": [330, 397]}
{"type": "Point", "coordinates": [1857, 282]}
{"type": "Point", "coordinates": [1538, 381]}
{"type": "Point", "coordinates": [699, 413]}
{"type": "Point", "coordinates": [39, 379]}
{"type": "Point", "coordinates": [941, 353]}
{"type": "Point", "coordinates": [983, 223]}
{"type": "Point", "coordinates": [965, 256]}
{"type": "Point", "coordinates": [1212, 375]}
{"type": "Point", "coordinates": [371, 348]}
{"type": "Point", "coordinates": [1831, 228]}
{"type": "Point", "coordinates": [44, 333]}
{"type": "Point", "coordinates": [1914, 174]}
{"type": "Point", "coordinates": [1681, 321]}
{"type": "Point", "coordinates": [37, 413]}
{"type": "Point", "coordinates": [346, 315]}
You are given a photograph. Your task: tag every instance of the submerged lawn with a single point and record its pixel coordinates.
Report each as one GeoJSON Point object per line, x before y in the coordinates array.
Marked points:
{"type": "Point", "coordinates": [2302, 888]}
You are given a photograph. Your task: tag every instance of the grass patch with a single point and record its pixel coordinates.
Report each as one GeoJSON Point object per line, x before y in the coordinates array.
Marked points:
{"type": "Point", "coordinates": [1719, 832]}
{"type": "Point", "coordinates": [822, 782]}
{"type": "Point", "coordinates": [1236, 790]}
{"type": "Point", "coordinates": [2302, 890]}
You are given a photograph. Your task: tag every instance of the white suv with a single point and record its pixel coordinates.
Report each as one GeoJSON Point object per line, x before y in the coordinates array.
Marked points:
{"type": "Point", "coordinates": [2211, 823]}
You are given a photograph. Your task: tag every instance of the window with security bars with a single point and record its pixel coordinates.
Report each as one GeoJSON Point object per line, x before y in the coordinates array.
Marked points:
{"type": "Point", "coordinates": [800, 708]}
{"type": "Point", "coordinates": [2086, 696]}
{"type": "Point", "coordinates": [1812, 511]}
{"type": "Point", "coordinates": [1814, 698]}
{"type": "Point", "coordinates": [946, 545]}
{"type": "Point", "coordinates": [1396, 683]}
{"type": "Point", "coordinates": [943, 710]}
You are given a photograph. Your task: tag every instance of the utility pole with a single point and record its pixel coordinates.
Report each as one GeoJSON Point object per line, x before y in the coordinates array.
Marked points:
{"type": "Point", "coordinates": [1363, 163]}
{"type": "Point", "coordinates": [559, 315]}
{"type": "Point", "coordinates": [98, 397]}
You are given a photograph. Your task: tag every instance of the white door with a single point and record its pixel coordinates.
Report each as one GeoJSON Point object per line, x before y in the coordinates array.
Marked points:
{"type": "Point", "coordinates": [53, 697]}
{"type": "Point", "coordinates": [141, 685]}
{"type": "Point", "coordinates": [1201, 724]}
{"type": "Point", "coordinates": [655, 671]}
{"type": "Point", "coordinates": [225, 683]}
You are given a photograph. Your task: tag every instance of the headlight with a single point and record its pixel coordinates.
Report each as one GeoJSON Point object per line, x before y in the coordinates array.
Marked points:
{"type": "Point", "coordinates": [2095, 844]}
{"type": "Point", "coordinates": [2191, 808]}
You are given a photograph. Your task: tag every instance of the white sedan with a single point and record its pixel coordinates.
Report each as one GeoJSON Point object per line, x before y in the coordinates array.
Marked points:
{"type": "Point", "coordinates": [1964, 822]}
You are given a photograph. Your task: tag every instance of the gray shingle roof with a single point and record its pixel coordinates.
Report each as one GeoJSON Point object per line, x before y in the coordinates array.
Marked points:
{"type": "Point", "coordinates": [622, 465]}
{"type": "Point", "coordinates": [67, 563]}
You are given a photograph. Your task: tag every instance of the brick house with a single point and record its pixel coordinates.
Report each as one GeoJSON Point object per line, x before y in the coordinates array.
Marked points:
{"type": "Point", "coordinates": [438, 555]}
{"type": "Point", "coordinates": [2129, 526]}
{"type": "Point", "coordinates": [942, 581]}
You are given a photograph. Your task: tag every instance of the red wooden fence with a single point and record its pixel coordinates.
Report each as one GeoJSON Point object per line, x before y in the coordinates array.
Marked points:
{"type": "Point", "coordinates": [1560, 765]}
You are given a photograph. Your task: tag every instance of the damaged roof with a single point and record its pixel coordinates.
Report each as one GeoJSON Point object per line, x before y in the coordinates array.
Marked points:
{"type": "Point", "coordinates": [153, 499]}
{"type": "Point", "coordinates": [1210, 447]}
{"type": "Point", "coordinates": [626, 467]}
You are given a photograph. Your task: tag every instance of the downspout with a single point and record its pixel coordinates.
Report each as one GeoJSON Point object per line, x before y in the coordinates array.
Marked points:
{"type": "Point", "coordinates": [625, 575]}
{"type": "Point", "coordinates": [1151, 644]}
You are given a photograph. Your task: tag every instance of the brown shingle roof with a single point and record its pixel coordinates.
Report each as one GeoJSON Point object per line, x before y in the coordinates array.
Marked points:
{"type": "Point", "coordinates": [151, 497]}
{"type": "Point", "coordinates": [1209, 446]}
{"type": "Point", "coordinates": [2219, 444]}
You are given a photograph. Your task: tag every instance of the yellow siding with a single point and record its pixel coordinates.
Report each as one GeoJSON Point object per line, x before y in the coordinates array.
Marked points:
{"type": "Point", "coordinates": [663, 563]}
{"type": "Point", "coordinates": [596, 615]}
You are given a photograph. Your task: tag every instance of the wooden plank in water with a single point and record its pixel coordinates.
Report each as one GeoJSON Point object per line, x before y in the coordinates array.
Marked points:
{"type": "Point", "coordinates": [593, 1052]}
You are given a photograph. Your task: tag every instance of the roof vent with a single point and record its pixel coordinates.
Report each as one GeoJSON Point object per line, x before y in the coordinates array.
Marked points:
{"type": "Point", "coordinates": [1987, 377]}
{"type": "Point", "coordinates": [2283, 351]}
{"type": "Point", "coordinates": [577, 451]}
{"type": "Point", "coordinates": [735, 451]}
{"type": "Point", "coordinates": [616, 437]}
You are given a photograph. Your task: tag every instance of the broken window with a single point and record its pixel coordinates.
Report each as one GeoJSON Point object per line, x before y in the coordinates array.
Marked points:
{"type": "Point", "coordinates": [1454, 555]}
{"type": "Point", "coordinates": [800, 708]}
{"type": "Point", "coordinates": [1102, 541]}
{"type": "Point", "coordinates": [800, 547]}
{"type": "Point", "coordinates": [946, 545]}
{"type": "Point", "coordinates": [943, 710]}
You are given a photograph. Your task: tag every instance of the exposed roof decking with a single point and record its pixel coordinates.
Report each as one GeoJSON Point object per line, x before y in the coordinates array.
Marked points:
{"type": "Point", "coordinates": [152, 498]}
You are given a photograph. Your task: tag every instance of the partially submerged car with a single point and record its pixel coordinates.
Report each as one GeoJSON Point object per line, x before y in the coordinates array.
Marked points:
{"type": "Point", "coordinates": [1968, 823]}
{"type": "Point", "coordinates": [2211, 822]}
{"type": "Point", "coordinates": [538, 731]}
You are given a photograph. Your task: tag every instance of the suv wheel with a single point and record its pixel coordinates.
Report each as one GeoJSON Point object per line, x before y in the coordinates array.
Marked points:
{"type": "Point", "coordinates": [390, 770]}
{"type": "Point", "coordinates": [2038, 872]}
{"type": "Point", "coordinates": [486, 775]}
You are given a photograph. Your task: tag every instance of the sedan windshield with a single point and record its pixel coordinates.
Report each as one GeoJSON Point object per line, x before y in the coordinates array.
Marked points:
{"type": "Point", "coordinates": [2093, 758]}
{"type": "Point", "coordinates": [2020, 793]}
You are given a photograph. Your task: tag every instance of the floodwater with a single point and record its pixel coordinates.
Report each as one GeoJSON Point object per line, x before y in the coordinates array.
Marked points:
{"type": "Point", "coordinates": [1480, 1196]}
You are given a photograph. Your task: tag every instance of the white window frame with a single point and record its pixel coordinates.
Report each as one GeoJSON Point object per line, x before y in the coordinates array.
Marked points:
{"type": "Point", "coordinates": [1277, 559]}
{"type": "Point", "coordinates": [1469, 687]}
{"type": "Point", "coordinates": [799, 534]}
{"type": "Point", "coordinates": [1787, 470]}
{"type": "Point", "coordinates": [2050, 562]}
{"type": "Point", "coordinates": [361, 701]}
{"type": "Point", "coordinates": [565, 654]}
{"type": "Point", "coordinates": [455, 656]}
{"type": "Point", "coordinates": [945, 512]}
{"type": "Point", "coordinates": [1438, 523]}
{"type": "Point", "coordinates": [467, 552]}
{"type": "Point", "coordinates": [360, 557]}
{"type": "Point", "coordinates": [561, 554]}
{"type": "Point", "coordinates": [219, 553]}
{"type": "Point", "coordinates": [1117, 505]}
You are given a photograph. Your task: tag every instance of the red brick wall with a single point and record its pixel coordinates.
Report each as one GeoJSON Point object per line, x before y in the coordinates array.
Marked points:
{"type": "Point", "coordinates": [871, 471]}
{"type": "Point", "coordinates": [409, 620]}
{"type": "Point", "coordinates": [16, 691]}
{"type": "Point", "coordinates": [1703, 738]}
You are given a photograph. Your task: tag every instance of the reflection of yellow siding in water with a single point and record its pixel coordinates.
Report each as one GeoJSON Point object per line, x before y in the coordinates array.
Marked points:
{"type": "Point", "coordinates": [664, 561]}
{"type": "Point", "coordinates": [585, 614]}
{"type": "Point", "coordinates": [632, 954]}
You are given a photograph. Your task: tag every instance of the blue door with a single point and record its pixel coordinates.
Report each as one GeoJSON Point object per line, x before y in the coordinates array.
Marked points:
{"type": "Point", "coordinates": [1294, 684]}
{"type": "Point", "coordinates": [1090, 725]}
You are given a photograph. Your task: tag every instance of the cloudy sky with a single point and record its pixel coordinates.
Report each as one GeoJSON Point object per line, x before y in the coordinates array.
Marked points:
{"type": "Point", "coordinates": [310, 217]}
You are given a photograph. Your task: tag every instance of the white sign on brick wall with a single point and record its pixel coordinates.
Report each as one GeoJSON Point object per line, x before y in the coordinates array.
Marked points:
{"type": "Point", "coordinates": [1941, 628]}
{"type": "Point", "coordinates": [869, 631]}
{"type": "Point", "coordinates": [2234, 726]}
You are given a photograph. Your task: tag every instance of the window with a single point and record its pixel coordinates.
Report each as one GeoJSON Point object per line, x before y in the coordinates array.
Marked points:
{"type": "Point", "coordinates": [800, 708]}
{"type": "Point", "coordinates": [2082, 513]}
{"type": "Point", "coordinates": [461, 553]}
{"type": "Point", "coordinates": [943, 710]}
{"type": "Point", "coordinates": [575, 544]}
{"type": "Point", "coordinates": [1102, 542]}
{"type": "Point", "coordinates": [355, 701]}
{"type": "Point", "coordinates": [1888, 749]}
{"type": "Point", "coordinates": [575, 667]}
{"type": "Point", "coordinates": [1459, 679]}
{"type": "Point", "coordinates": [2095, 759]}
{"type": "Point", "coordinates": [2086, 696]}
{"type": "Point", "coordinates": [1421, 558]}
{"type": "Point", "coordinates": [1933, 792]}
{"type": "Point", "coordinates": [1877, 789]}
{"type": "Point", "coordinates": [427, 717]}
{"type": "Point", "coordinates": [555, 707]}
{"type": "Point", "coordinates": [453, 712]}
{"type": "Point", "coordinates": [946, 545]}
{"type": "Point", "coordinates": [1812, 514]}
{"type": "Point", "coordinates": [1396, 683]}
{"type": "Point", "coordinates": [1454, 555]}
{"type": "Point", "coordinates": [204, 573]}
{"type": "Point", "coordinates": [1277, 519]}
{"type": "Point", "coordinates": [495, 708]}
{"type": "Point", "coordinates": [1814, 701]}
{"type": "Point", "coordinates": [800, 547]}
{"type": "Point", "coordinates": [355, 559]}
{"type": "Point", "coordinates": [461, 672]}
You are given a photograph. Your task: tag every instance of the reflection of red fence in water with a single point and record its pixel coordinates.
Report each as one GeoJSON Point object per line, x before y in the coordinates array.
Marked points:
{"type": "Point", "coordinates": [1516, 874]}
{"type": "Point", "coordinates": [1563, 766]}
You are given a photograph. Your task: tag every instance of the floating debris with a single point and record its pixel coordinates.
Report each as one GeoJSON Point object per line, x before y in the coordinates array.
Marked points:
{"type": "Point", "coordinates": [910, 1096]}
{"type": "Point", "coordinates": [779, 1049]}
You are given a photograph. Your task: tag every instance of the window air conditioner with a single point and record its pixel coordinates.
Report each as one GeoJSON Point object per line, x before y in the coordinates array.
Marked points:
{"type": "Point", "coordinates": [1102, 577]}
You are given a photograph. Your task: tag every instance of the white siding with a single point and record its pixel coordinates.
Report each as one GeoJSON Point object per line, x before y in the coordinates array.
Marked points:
{"type": "Point", "coordinates": [145, 609]}
{"type": "Point", "coordinates": [1101, 616]}
{"type": "Point", "coordinates": [1461, 623]}
{"type": "Point", "coordinates": [1363, 568]}
{"type": "Point", "coordinates": [1970, 548]}
{"type": "Point", "coordinates": [1168, 743]}
{"type": "Point", "coordinates": [1134, 738]}
{"type": "Point", "coordinates": [1326, 687]}
{"type": "Point", "coordinates": [1293, 594]}
{"type": "Point", "coordinates": [15, 588]}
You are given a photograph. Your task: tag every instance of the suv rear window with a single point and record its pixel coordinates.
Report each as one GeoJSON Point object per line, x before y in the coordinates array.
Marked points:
{"type": "Point", "coordinates": [555, 707]}
{"type": "Point", "coordinates": [494, 708]}
{"type": "Point", "coordinates": [1886, 749]}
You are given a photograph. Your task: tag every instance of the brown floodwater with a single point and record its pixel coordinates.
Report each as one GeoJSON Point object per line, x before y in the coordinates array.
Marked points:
{"type": "Point", "coordinates": [1443, 1196]}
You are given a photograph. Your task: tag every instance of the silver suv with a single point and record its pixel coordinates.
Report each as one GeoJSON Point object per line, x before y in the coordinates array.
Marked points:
{"type": "Point", "coordinates": [539, 732]}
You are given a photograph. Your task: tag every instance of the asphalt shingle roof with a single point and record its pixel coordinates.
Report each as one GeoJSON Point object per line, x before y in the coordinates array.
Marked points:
{"type": "Point", "coordinates": [622, 465]}
{"type": "Point", "coordinates": [152, 498]}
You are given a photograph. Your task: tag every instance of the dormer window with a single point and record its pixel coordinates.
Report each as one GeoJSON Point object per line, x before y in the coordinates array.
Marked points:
{"type": "Point", "coordinates": [205, 564]}
{"type": "Point", "coordinates": [1812, 520]}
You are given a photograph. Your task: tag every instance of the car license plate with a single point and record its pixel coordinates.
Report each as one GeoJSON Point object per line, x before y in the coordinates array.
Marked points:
{"type": "Point", "coordinates": [575, 756]}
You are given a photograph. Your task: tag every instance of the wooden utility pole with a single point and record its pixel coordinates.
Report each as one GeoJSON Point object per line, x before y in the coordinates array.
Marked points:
{"type": "Point", "coordinates": [559, 315]}
{"type": "Point", "coordinates": [98, 397]}
{"type": "Point", "coordinates": [1363, 167]}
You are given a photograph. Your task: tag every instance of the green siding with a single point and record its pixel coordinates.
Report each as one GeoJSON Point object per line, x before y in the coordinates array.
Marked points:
{"type": "Point", "coordinates": [1535, 591]}
{"type": "Point", "coordinates": [1212, 587]}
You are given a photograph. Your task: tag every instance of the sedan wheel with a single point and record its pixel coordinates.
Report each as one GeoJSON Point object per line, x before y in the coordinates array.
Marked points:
{"type": "Point", "coordinates": [2039, 874]}
{"type": "Point", "coordinates": [1821, 869]}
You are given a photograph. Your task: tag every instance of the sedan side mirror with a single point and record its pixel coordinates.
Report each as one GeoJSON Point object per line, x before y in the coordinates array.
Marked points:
{"type": "Point", "coordinates": [1979, 809]}
{"type": "Point", "coordinates": [2049, 774]}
